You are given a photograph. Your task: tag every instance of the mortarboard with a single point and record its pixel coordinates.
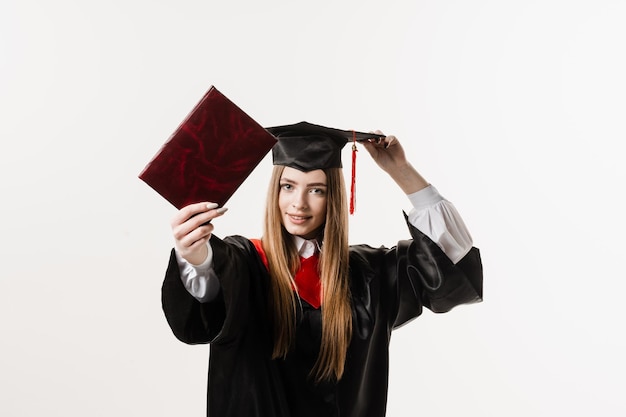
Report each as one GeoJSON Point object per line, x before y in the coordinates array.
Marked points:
{"type": "Point", "coordinates": [306, 147]}
{"type": "Point", "coordinates": [209, 155]}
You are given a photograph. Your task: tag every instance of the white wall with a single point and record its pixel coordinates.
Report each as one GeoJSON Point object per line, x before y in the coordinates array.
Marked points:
{"type": "Point", "coordinates": [513, 109]}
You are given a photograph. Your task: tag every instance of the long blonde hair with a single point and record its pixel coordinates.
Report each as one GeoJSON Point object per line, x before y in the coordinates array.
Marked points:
{"type": "Point", "coordinates": [284, 262]}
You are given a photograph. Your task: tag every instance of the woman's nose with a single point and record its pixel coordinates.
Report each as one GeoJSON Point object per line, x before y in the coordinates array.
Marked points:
{"type": "Point", "coordinates": [299, 201]}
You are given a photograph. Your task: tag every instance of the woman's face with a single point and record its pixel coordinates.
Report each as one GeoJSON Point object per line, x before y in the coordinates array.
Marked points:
{"type": "Point", "coordinates": [302, 201]}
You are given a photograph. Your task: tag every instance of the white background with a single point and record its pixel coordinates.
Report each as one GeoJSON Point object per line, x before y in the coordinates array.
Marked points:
{"type": "Point", "coordinates": [514, 110]}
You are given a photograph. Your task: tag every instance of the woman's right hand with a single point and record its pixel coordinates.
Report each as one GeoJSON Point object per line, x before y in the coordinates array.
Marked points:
{"type": "Point", "coordinates": [192, 230]}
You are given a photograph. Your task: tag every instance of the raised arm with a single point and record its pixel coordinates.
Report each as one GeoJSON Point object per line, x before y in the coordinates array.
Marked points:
{"type": "Point", "coordinates": [432, 215]}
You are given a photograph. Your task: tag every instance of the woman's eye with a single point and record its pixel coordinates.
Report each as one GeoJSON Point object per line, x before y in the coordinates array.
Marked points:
{"type": "Point", "coordinates": [317, 191]}
{"type": "Point", "coordinates": [286, 186]}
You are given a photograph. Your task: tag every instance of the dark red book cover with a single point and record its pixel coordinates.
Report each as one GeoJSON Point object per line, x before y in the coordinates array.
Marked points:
{"type": "Point", "coordinates": [210, 155]}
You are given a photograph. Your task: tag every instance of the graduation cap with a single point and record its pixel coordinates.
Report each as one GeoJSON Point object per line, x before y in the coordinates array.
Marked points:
{"type": "Point", "coordinates": [217, 146]}
{"type": "Point", "coordinates": [306, 147]}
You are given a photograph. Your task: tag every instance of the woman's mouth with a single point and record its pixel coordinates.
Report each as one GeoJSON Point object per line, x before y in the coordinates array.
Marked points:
{"type": "Point", "coordinates": [298, 219]}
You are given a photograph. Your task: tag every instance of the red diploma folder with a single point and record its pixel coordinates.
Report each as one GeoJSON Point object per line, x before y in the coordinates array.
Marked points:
{"type": "Point", "coordinates": [210, 154]}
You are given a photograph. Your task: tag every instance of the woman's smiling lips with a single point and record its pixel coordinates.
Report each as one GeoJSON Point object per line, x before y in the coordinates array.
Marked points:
{"type": "Point", "coordinates": [295, 219]}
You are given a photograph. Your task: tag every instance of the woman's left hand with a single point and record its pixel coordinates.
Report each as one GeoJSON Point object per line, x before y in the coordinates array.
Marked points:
{"type": "Point", "coordinates": [387, 152]}
{"type": "Point", "coordinates": [390, 156]}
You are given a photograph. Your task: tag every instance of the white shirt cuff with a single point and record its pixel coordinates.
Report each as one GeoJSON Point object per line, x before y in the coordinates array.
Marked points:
{"type": "Point", "coordinates": [438, 219]}
{"type": "Point", "coordinates": [199, 280]}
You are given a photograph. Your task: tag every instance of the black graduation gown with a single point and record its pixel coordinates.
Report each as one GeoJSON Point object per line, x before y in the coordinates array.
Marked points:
{"type": "Point", "coordinates": [389, 288]}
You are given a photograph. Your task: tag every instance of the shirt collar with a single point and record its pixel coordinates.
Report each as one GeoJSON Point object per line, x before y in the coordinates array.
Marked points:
{"type": "Point", "coordinates": [306, 248]}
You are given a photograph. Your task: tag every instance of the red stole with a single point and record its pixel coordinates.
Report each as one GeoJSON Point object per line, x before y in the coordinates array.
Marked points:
{"type": "Point", "coordinates": [307, 278]}
{"type": "Point", "coordinates": [308, 281]}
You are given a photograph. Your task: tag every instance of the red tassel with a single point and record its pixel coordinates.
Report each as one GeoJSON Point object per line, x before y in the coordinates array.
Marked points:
{"type": "Point", "coordinates": [353, 181]}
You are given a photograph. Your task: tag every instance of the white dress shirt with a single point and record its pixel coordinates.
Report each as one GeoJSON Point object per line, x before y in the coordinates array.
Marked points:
{"type": "Point", "coordinates": [431, 214]}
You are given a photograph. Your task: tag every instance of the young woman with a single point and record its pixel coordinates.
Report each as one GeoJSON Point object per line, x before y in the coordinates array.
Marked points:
{"type": "Point", "coordinates": [299, 322]}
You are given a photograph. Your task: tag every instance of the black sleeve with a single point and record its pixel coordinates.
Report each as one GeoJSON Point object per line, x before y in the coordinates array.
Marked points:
{"type": "Point", "coordinates": [427, 277]}
{"type": "Point", "coordinates": [242, 278]}
{"type": "Point", "coordinates": [191, 321]}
